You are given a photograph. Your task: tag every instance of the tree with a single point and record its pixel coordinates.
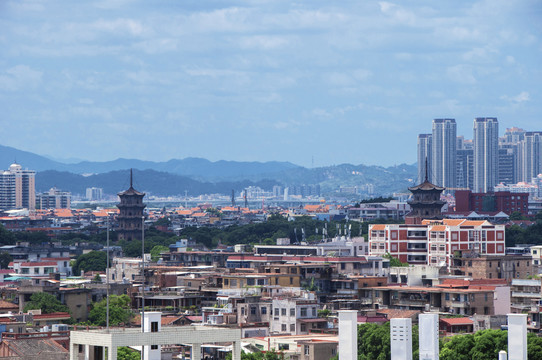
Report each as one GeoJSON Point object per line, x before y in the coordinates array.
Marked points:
{"type": "Point", "coordinates": [516, 215]}
{"type": "Point", "coordinates": [534, 347]}
{"type": "Point", "coordinates": [97, 278]}
{"type": "Point", "coordinates": [488, 343]}
{"type": "Point", "coordinates": [5, 259]}
{"type": "Point", "coordinates": [92, 261]}
{"type": "Point", "coordinates": [6, 236]}
{"type": "Point", "coordinates": [156, 250]}
{"type": "Point", "coordinates": [125, 353]}
{"type": "Point", "coordinates": [394, 261]}
{"type": "Point", "coordinates": [47, 303]}
{"type": "Point", "coordinates": [119, 311]}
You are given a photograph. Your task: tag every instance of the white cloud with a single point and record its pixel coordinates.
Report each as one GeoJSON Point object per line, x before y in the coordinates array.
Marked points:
{"type": "Point", "coordinates": [522, 97]}
{"type": "Point", "coordinates": [461, 74]}
{"type": "Point", "coordinates": [20, 77]}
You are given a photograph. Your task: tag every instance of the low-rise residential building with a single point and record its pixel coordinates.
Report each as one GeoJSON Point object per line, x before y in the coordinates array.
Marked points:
{"type": "Point", "coordinates": [435, 242]}
{"type": "Point", "coordinates": [492, 267]}
{"type": "Point", "coordinates": [295, 316]}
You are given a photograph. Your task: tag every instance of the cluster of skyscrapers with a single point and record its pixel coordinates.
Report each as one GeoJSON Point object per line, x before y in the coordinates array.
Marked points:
{"type": "Point", "coordinates": [481, 163]}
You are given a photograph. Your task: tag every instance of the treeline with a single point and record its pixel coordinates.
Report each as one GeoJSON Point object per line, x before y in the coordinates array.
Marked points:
{"type": "Point", "coordinates": [276, 227]}
{"type": "Point", "coordinates": [267, 233]}
{"type": "Point", "coordinates": [516, 234]}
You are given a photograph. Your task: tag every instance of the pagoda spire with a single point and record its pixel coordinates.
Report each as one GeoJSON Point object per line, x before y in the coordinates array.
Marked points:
{"type": "Point", "coordinates": [426, 171]}
{"type": "Point", "coordinates": [131, 176]}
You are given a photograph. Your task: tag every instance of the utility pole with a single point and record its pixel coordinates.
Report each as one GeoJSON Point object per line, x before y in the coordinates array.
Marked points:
{"type": "Point", "coordinates": [107, 279]}
{"type": "Point", "coordinates": [143, 283]}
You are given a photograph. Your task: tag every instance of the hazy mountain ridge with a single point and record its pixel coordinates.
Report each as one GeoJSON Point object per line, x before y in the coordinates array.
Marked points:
{"type": "Point", "coordinates": [201, 176]}
{"type": "Point", "coordinates": [193, 167]}
{"type": "Point", "coordinates": [149, 181]}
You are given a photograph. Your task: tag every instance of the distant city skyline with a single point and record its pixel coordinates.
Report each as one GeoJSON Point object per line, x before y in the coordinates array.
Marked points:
{"type": "Point", "coordinates": [314, 83]}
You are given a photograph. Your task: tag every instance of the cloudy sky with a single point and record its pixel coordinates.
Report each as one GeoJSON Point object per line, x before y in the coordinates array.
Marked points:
{"type": "Point", "coordinates": [311, 82]}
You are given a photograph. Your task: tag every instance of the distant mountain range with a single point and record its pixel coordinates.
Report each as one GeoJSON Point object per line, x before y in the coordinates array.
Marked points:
{"type": "Point", "coordinates": [201, 176]}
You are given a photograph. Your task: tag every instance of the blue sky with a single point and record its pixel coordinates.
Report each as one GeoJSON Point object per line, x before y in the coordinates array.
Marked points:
{"type": "Point", "coordinates": [343, 81]}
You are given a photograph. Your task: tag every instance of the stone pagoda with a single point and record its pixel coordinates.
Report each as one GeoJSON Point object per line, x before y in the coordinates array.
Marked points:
{"type": "Point", "coordinates": [130, 216]}
{"type": "Point", "coordinates": [425, 203]}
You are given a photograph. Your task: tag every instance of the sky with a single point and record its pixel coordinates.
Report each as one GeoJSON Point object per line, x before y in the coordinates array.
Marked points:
{"type": "Point", "coordinates": [313, 82]}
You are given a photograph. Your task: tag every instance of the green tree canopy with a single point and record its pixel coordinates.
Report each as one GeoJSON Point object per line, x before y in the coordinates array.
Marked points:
{"type": "Point", "coordinates": [394, 261]}
{"type": "Point", "coordinates": [92, 261]}
{"type": "Point", "coordinates": [156, 250]}
{"type": "Point", "coordinates": [5, 259]}
{"type": "Point", "coordinates": [47, 303]}
{"type": "Point", "coordinates": [119, 311]}
{"type": "Point", "coordinates": [125, 353]}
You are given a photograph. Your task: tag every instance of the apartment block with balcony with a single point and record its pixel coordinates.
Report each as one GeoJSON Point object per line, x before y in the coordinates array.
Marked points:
{"type": "Point", "coordinates": [435, 241]}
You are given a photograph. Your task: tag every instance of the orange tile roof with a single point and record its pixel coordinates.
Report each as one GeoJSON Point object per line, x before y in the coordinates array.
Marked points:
{"type": "Point", "coordinates": [473, 223]}
{"type": "Point", "coordinates": [439, 228]}
{"type": "Point", "coordinates": [199, 214]}
{"type": "Point", "coordinates": [184, 212]}
{"type": "Point", "coordinates": [457, 321]}
{"type": "Point", "coordinates": [378, 227]}
{"type": "Point", "coordinates": [63, 213]}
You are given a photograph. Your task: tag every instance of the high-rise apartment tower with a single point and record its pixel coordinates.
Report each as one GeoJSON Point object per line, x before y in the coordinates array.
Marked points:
{"type": "Point", "coordinates": [443, 153]}
{"type": "Point", "coordinates": [17, 188]}
{"type": "Point", "coordinates": [486, 154]}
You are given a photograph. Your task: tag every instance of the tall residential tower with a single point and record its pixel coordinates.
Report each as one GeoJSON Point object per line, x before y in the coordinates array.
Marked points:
{"type": "Point", "coordinates": [486, 154]}
{"type": "Point", "coordinates": [17, 188]}
{"type": "Point", "coordinates": [443, 154]}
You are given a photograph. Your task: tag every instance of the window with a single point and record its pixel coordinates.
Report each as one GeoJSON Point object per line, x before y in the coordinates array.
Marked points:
{"type": "Point", "coordinates": [293, 271]}
{"type": "Point", "coordinates": [283, 311]}
{"type": "Point", "coordinates": [277, 312]}
{"type": "Point", "coordinates": [306, 350]}
{"type": "Point", "coordinates": [314, 312]}
{"type": "Point", "coordinates": [292, 327]}
{"type": "Point", "coordinates": [303, 312]}
{"type": "Point", "coordinates": [154, 326]}
{"type": "Point", "coordinates": [283, 327]}
{"type": "Point", "coordinates": [447, 296]}
{"type": "Point", "coordinates": [242, 311]}
{"type": "Point", "coordinates": [36, 270]}
{"type": "Point", "coordinates": [154, 347]}
{"type": "Point", "coordinates": [303, 327]}
{"type": "Point", "coordinates": [226, 281]}
{"type": "Point", "coordinates": [263, 310]}
{"type": "Point", "coordinates": [291, 280]}
{"type": "Point", "coordinates": [292, 311]}
{"type": "Point", "coordinates": [253, 310]}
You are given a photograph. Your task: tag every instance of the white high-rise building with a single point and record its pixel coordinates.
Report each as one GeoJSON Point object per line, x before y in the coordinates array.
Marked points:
{"type": "Point", "coordinates": [443, 154]}
{"type": "Point", "coordinates": [531, 148]}
{"type": "Point", "coordinates": [424, 154]}
{"type": "Point", "coordinates": [486, 154]}
{"type": "Point", "coordinates": [348, 334]}
{"type": "Point", "coordinates": [428, 339]}
{"type": "Point", "coordinates": [517, 336]}
{"type": "Point", "coordinates": [401, 339]}
{"type": "Point", "coordinates": [94, 194]}
{"type": "Point", "coordinates": [17, 188]}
